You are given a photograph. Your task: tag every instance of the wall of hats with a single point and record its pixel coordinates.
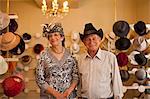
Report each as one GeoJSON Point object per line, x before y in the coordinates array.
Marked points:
{"type": "Point", "coordinates": [130, 44]}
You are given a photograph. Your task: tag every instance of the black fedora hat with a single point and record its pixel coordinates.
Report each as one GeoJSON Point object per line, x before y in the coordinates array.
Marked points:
{"type": "Point", "coordinates": [121, 28]}
{"type": "Point", "coordinates": [38, 48]}
{"type": "Point", "coordinates": [140, 59]}
{"type": "Point", "coordinates": [122, 43]}
{"type": "Point", "coordinates": [19, 49]}
{"type": "Point", "coordinates": [140, 28]}
{"type": "Point", "coordinates": [90, 29]}
{"type": "Point", "coordinates": [124, 75]}
{"type": "Point", "coordinates": [13, 25]}
{"type": "Point", "coordinates": [26, 37]}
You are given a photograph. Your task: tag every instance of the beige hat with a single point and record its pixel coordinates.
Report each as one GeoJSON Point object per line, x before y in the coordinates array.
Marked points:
{"type": "Point", "coordinates": [4, 20]}
{"type": "Point", "coordinates": [9, 41]}
{"type": "Point", "coordinates": [3, 65]}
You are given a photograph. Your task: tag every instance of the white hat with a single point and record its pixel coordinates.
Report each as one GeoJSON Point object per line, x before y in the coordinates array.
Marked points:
{"type": "Point", "coordinates": [3, 65]}
{"type": "Point", "coordinates": [131, 57]}
{"type": "Point", "coordinates": [4, 20]}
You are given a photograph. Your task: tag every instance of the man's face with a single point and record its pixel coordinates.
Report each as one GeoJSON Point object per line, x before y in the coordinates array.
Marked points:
{"type": "Point", "coordinates": [92, 42]}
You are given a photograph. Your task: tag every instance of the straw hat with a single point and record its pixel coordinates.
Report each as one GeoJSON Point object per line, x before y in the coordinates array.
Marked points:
{"type": "Point", "coordinates": [9, 41]}
{"type": "Point", "coordinates": [3, 65]}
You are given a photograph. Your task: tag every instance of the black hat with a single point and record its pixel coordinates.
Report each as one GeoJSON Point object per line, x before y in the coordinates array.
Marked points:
{"type": "Point", "coordinates": [140, 28]}
{"type": "Point", "coordinates": [90, 29]}
{"type": "Point", "coordinates": [140, 59]}
{"type": "Point", "coordinates": [121, 28]}
{"type": "Point", "coordinates": [26, 37]}
{"type": "Point", "coordinates": [19, 49]}
{"type": "Point", "coordinates": [13, 25]}
{"type": "Point", "coordinates": [122, 43]}
{"type": "Point", "coordinates": [38, 48]}
{"type": "Point", "coordinates": [124, 75]}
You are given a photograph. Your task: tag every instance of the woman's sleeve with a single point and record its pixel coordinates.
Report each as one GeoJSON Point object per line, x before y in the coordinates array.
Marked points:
{"type": "Point", "coordinates": [40, 79]}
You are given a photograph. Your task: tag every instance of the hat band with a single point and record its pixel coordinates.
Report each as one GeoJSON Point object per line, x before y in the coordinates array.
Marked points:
{"type": "Point", "coordinates": [14, 39]}
{"type": "Point", "coordinates": [90, 31]}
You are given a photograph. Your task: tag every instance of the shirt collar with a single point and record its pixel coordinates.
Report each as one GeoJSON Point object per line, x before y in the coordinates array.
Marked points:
{"type": "Point", "coordinates": [98, 54]}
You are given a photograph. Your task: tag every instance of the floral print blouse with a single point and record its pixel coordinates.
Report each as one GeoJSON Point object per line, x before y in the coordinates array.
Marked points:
{"type": "Point", "coordinates": [58, 74]}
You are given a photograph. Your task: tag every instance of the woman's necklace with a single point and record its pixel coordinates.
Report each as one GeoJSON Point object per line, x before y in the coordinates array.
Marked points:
{"type": "Point", "coordinates": [62, 50]}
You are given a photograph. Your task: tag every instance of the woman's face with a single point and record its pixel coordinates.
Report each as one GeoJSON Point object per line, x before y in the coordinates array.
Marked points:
{"type": "Point", "coordinates": [55, 39]}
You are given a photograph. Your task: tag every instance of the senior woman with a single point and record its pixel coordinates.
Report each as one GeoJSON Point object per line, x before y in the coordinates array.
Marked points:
{"type": "Point", "coordinates": [56, 72]}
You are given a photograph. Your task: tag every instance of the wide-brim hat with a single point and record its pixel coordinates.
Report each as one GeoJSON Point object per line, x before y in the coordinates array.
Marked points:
{"type": "Point", "coordinates": [9, 41]}
{"type": "Point", "coordinates": [122, 43]}
{"type": "Point", "coordinates": [13, 25]}
{"type": "Point", "coordinates": [124, 75]}
{"type": "Point", "coordinates": [140, 59]}
{"type": "Point", "coordinates": [122, 59]}
{"type": "Point", "coordinates": [90, 29]}
{"type": "Point", "coordinates": [4, 20]}
{"type": "Point", "coordinates": [26, 37]}
{"type": "Point", "coordinates": [121, 28]}
{"type": "Point", "coordinates": [141, 43]}
{"type": "Point", "coordinates": [140, 74]}
{"type": "Point", "coordinates": [12, 86]}
{"type": "Point", "coordinates": [38, 48]}
{"type": "Point", "coordinates": [3, 65]}
{"type": "Point", "coordinates": [132, 58]}
{"type": "Point", "coordinates": [26, 59]}
{"type": "Point", "coordinates": [19, 49]}
{"type": "Point", "coordinates": [140, 28]}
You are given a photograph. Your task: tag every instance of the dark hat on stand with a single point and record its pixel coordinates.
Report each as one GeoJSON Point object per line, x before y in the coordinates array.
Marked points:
{"type": "Point", "coordinates": [38, 48]}
{"type": "Point", "coordinates": [121, 28]}
{"type": "Point", "coordinates": [140, 59]}
{"type": "Point", "coordinates": [122, 59]}
{"type": "Point", "coordinates": [13, 25]}
{"type": "Point", "coordinates": [90, 29]}
{"type": "Point", "coordinates": [124, 75]}
{"type": "Point", "coordinates": [140, 74]}
{"type": "Point", "coordinates": [140, 28]}
{"type": "Point", "coordinates": [122, 43]}
{"type": "Point", "coordinates": [26, 37]}
{"type": "Point", "coordinates": [26, 59]}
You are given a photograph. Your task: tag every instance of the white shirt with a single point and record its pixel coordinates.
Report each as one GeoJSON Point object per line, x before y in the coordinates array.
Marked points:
{"type": "Point", "coordinates": [100, 75]}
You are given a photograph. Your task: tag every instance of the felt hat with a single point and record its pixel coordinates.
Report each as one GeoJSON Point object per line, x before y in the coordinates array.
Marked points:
{"type": "Point", "coordinates": [26, 59]}
{"type": "Point", "coordinates": [38, 48]}
{"type": "Point", "coordinates": [140, 59]}
{"type": "Point", "coordinates": [19, 49]}
{"type": "Point", "coordinates": [122, 59]}
{"type": "Point", "coordinates": [26, 37]}
{"type": "Point", "coordinates": [9, 41]}
{"type": "Point", "coordinates": [122, 43]}
{"type": "Point", "coordinates": [140, 28]}
{"type": "Point", "coordinates": [121, 28]}
{"type": "Point", "coordinates": [12, 86]}
{"type": "Point", "coordinates": [4, 20]}
{"type": "Point", "coordinates": [140, 74]}
{"type": "Point", "coordinates": [132, 58]}
{"type": "Point", "coordinates": [90, 29]}
{"type": "Point", "coordinates": [3, 65]}
{"type": "Point", "coordinates": [13, 25]}
{"type": "Point", "coordinates": [124, 75]}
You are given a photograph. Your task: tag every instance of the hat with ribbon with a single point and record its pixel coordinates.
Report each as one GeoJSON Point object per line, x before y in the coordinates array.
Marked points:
{"type": "Point", "coordinates": [122, 43]}
{"type": "Point", "coordinates": [12, 86]}
{"type": "Point", "coordinates": [140, 28]}
{"type": "Point", "coordinates": [26, 59]}
{"type": "Point", "coordinates": [122, 59]}
{"type": "Point", "coordinates": [121, 28]}
{"type": "Point", "coordinates": [90, 29]}
{"type": "Point", "coordinates": [4, 20]}
{"type": "Point", "coordinates": [9, 41]}
{"type": "Point", "coordinates": [38, 48]}
{"type": "Point", "coordinates": [26, 37]}
{"type": "Point", "coordinates": [3, 65]}
{"type": "Point", "coordinates": [13, 25]}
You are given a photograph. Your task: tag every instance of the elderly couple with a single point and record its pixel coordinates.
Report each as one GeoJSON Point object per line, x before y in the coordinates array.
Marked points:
{"type": "Point", "coordinates": [95, 75]}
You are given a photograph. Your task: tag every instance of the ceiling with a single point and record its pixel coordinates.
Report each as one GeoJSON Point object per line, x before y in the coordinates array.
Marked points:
{"type": "Point", "coordinates": [72, 3]}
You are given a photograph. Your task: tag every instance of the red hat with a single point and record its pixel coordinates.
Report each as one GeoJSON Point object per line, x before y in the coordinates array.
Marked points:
{"type": "Point", "coordinates": [122, 59]}
{"type": "Point", "coordinates": [12, 86]}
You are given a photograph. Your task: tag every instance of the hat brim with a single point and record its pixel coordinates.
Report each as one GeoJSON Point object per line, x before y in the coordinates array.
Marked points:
{"type": "Point", "coordinates": [26, 63]}
{"type": "Point", "coordinates": [3, 66]}
{"type": "Point", "coordinates": [9, 46]}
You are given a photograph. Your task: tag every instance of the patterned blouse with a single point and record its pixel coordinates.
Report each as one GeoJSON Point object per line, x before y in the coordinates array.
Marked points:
{"type": "Point", "coordinates": [58, 74]}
